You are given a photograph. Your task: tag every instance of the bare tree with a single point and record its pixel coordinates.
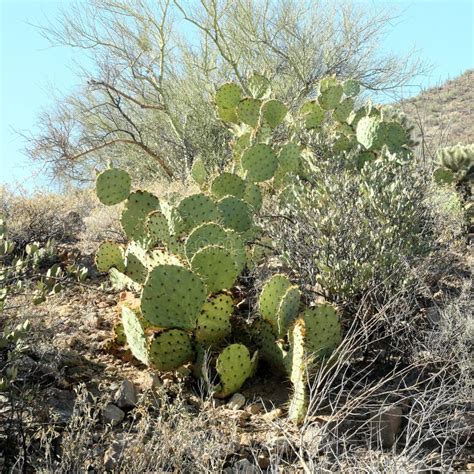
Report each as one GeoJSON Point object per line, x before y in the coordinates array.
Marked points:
{"type": "Point", "coordinates": [145, 100]}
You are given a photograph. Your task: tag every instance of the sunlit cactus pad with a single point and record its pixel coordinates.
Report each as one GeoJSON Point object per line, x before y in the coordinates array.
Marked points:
{"type": "Point", "coordinates": [259, 162]}
{"type": "Point", "coordinates": [195, 210]}
{"type": "Point", "coordinates": [108, 255]}
{"type": "Point", "coordinates": [113, 186]}
{"type": "Point", "coordinates": [213, 324]}
{"type": "Point", "coordinates": [273, 112]}
{"type": "Point", "coordinates": [228, 95]}
{"type": "Point", "coordinates": [234, 367]}
{"type": "Point", "coordinates": [134, 329]}
{"type": "Point", "coordinates": [312, 114]}
{"type": "Point", "coordinates": [216, 266]}
{"type": "Point", "coordinates": [235, 213]}
{"type": "Point", "coordinates": [227, 184]}
{"type": "Point", "coordinates": [137, 208]}
{"type": "Point", "coordinates": [172, 297]}
{"type": "Point", "coordinates": [248, 111]}
{"type": "Point", "coordinates": [157, 227]}
{"type": "Point", "coordinates": [170, 349]}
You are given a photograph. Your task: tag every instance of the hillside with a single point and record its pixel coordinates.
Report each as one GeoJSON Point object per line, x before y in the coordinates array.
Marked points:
{"type": "Point", "coordinates": [445, 113]}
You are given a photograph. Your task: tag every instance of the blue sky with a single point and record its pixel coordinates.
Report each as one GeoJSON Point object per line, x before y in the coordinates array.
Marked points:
{"type": "Point", "coordinates": [441, 31]}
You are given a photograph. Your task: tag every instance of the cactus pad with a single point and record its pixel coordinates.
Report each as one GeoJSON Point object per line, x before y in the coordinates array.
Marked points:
{"type": "Point", "coordinates": [248, 111]}
{"type": "Point", "coordinates": [323, 329]}
{"type": "Point", "coordinates": [170, 349]}
{"type": "Point", "coordinates": [213, 324]}
{"type": "Point", "coordinates": [108, 255]}
{"type": "Point", "coordinates": [216, 266]}
{"type": "Point", "coordinates": [288, 309]}
{"type": "Point", "coordinates": [259, 162]}
{"type": "Point", "coordinates": [234, 367]}
{"type": "Point", "coordinates": [312, 114]}
{"type": "Point", "coordinates": [350, 87]}
{"type": "Point", "coordinates": [259, 86]}
{"type": "Point", "coordinates": [172, 297]}
{"type": "Point", "coordinates": [157, 227]}
{"type": "Point", "coordinates": [198, 171]}
{"type": "Point", "coordinates": [228, 95]}
{"type": "Point", "coordinates": [113, 186]}
{"type": "Point", "coordinates": [137, 208]}
{"type": "Point", "coordinates": [134, 330]}
{"type": "Point", "coordinates": [370, 133]}
{"type": "Point", "coordinates": [227, 184]}
{"type": "Point", "coordinates": [136, 263]}
{"type": "Point", "coordinates": [273, 112]}
{"type": "Point", "coordinates": [330, 93]}
{"type": "Point", "coordinates": [195, 210]}
{"type": "Point", "coordinates": [228, 115]}
{"type": "Point", "coordinates": [270, 350]}
{"type": "Point", "coordinates": [289, 157]}
{"type": "Point", "coordinates": [298, 374]}
{"type": "Point", "coordinates": [253, 196]}
{"type": "Point", "coordinates": [235, 213]}
{"type": "Point", "coordinates": [206, 234]}
{"type": "Point", "coordinates": [271, 296]}
{"type": "Point", "coordinates": [343, 110]}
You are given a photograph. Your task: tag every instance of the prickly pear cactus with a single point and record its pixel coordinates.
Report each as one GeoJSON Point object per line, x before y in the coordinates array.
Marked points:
{"type": "Point", "coordinates": [113, 186]}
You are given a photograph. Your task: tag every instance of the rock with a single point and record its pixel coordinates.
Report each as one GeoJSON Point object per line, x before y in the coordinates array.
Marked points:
{"type": "Point", "coordinates": [236, 402]}
{"type": "Point", "coordinates": [387, 425]}
{"type": "Point", "coordinates": [150, 381]}
{"type": "Point", "coordinates": [61, 402]}
{"type": "Point", "coordinates": [112, 456]}
{"type": "Point", "coordinates": [126, 395]}
{"type": "Point", "coordinates": [244, 466]}
{"type": "Point", "coordinates": [112, 414]}
{"type": "Point", "coordinates": [273, 415]}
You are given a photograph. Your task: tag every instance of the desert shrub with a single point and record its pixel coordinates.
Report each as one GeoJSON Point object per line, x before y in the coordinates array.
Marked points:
{"type": "Point", "coordinates": [44, 216]}
{"type": "Point", "coordinates": [350, 232]}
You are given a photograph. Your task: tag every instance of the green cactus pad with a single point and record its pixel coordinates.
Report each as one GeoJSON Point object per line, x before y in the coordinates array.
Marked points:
{"type": "Point", "coordinates": [253, 196]}
{"type": "Point", "coordinates": [343, 110]}
{"type": "Point", "coordinates": [240, 145]}
{"type": "Point", "coordinates": [271, 296]}
{"type": "Point", "coordinates": [136, 263]}
{"type": "Point", "coordinates": [298, 374]}
{"type": "Point", "coordinates": [443, 176]}
{"type": "Point", "coordinates": [206, 234]}
{"type": "Point", "coordinates": [234, 367]}
{"type": "Point", "coordinates": [113, 186]}
{"type": "Point", "coordinates": [228, 115]}
{"type": "Point", "coordinates": [235, 213]}
{"type": "Point", "coordinates": [134, 330]}
{"type": "Point", "coordinates": [312, 114]}
{"type": "Point", "coordinates": [157, 227]}
{"type": "Point", "coordinates": [213, 324]}
{"type": "Point", "coordinates": [350, 87]}
{"type": "Point", "coordinates": [259, 86]}
{"type": "Point", "coordinates": [198, 171]}
{"type": "Point", "coordinates": [248, 111]}
{"type": "Point", "coordinates": [108, 255]}
{"type": "Point", "coordinates": [172, 297]}
{"type": "Point", "coordinates": [137, 208]}
{"type": "Point", "coordinates": [235, 244]}
{"type": "Point", "coordinates": [216, 266]}
{"type": "Point", "coordinates": [227, 184]}
{"type": "Point", "coordinates": [395, 135]}
{"type": "Point", "coordinates": [329, 98]}
{"type": "Point", "coordinates": [370, 133]}
{"type": "Point", "coordinates": [193, 211]}
{"type": "Point", "coordinates": [274, 112]}
{"type": "Point", "coordinates": [270, 350]}
{"type": "Point", "coordinates": [289, 158]}
{"type": "Point", "coordinates": [158, 257]}
{"type": "Point", "coordinates": [341, 143]}
{"type": "Point", "coordinates": [323, 329]}
{"type": "Point", "coordinates": [171, 349]}
{"type": "Point", "coordinates": [228, 95]}
{"type": "Point", "coordinates": [288, 309]}
{"type": "Point", "coordinates": [259, 162]}
{"type": "Point", "coordinates": [119, 281]}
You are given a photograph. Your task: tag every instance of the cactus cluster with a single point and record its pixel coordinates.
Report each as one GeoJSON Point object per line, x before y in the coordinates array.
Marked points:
{"type": "Point", "coordinates": [185, 259]}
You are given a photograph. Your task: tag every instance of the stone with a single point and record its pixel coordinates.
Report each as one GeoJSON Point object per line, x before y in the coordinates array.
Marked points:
{"type": "Point", "coordinates": [150, 381]}
{"type": "Point", "coordinates": [236, 402]}
{"type": "Point", "coordinates": [61, 403]}
{"type": "Point", "coordinates": [112, 414]}
{"type": "Point", "coordinates": [126, 395]}
{"type": "Point", "coordinates": [244, 466]}
{"type": "Point", "coordinates": [387, 425]}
